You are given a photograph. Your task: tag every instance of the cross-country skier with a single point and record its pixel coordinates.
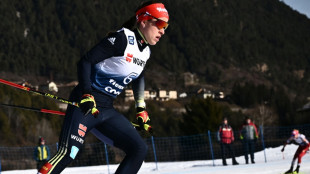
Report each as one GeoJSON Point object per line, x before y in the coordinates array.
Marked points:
{"type": "Point", "coordinates": [303, 143]}
{"type": "Point", "coordinates": [103, 73]}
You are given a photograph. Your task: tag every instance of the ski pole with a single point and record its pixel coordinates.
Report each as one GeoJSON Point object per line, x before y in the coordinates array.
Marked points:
{"type": "Point", "coordinates": [34, 109]}
{"type": "Point", "coordinates": [44, 94]}
{"type": "Point", "coordinates": [37, 92]}
{"type": "Point", "coordinates": [46, 111]}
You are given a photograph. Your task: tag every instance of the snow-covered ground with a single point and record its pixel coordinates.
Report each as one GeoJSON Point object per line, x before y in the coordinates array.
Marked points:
{"type": "Point", "coordinates": [277, 163]}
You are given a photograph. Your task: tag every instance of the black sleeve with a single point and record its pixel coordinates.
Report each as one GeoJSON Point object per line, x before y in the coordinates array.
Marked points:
{"type": "Point", "coordinates": [112, 45]}
{"type": "Point", "coordinates": [219, 134]}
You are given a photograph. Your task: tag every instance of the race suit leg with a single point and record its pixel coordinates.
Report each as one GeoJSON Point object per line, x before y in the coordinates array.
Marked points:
{"type": "Point", "coordinates": [74, 130]}
{"type": "Point", "coordinates": [73, 133]}
{"type": "Point", "coordinates": [124, 136]}
{"type": "Point", "coordinates": [302, 150]}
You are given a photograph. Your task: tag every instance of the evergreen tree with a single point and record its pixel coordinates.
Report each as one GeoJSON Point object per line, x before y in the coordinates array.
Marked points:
{"type": "Point", "coordinates": [201, 115]}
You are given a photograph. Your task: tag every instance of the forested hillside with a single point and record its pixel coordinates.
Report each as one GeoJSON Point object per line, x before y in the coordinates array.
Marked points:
{"type": "Point", "coordinates": [206, 37]}
{"type": "Point", "coordinates": [232, 45]}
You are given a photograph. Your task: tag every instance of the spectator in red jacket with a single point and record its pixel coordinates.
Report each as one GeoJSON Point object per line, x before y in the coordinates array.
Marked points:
{"type": "Point", "coordinates": [226, 138]}
{"type": "Point", "coordinates": [248, 135]}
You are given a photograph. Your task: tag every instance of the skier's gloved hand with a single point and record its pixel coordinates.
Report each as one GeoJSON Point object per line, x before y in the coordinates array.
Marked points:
{"type": "Point", "coordinates": [88, 104]}
{"type": "Point", "coordinates": [142, 116]}
{"type": "Point", "coordinates": [146, 127]}
{"type": "Point", "coordinates": [282, 150]}
{"type": "Point", "coordinates": [143, 119]}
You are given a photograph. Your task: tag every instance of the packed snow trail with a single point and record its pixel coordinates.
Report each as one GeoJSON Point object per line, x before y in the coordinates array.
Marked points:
{"type": "Point", "coordinates": [277, 163]}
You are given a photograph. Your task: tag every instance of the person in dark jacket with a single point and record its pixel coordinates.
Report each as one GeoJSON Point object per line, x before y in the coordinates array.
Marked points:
{"type": "Point", "coordinates": [41, 153]}
{"type": "Point", "coordinates": [225, 136]}
{"type": "Point", "coordinates": [248, 135]}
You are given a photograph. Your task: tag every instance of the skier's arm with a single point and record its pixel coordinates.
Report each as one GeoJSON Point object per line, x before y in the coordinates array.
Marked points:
{"type": "Point", "coordinates": [105, 49]}
{"type": "Point", "coordinates": [286, 142]}
{"type": "Point", "coordinates": [138, 87]}
{"type": "Point", "coordinates": [282, 150]}
{"type": "Point", "coordinates": [138, 92]}
{"type": "Point", "coordinates": [305, 140]}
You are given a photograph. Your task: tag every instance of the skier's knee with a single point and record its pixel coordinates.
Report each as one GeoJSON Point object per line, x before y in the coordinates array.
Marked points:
{"type": "Point", "coordinates": [140, 148]}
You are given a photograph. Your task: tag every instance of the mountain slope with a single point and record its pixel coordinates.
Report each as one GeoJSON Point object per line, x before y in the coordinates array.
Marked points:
{"type": "Point", "coordinates": [221, 41]}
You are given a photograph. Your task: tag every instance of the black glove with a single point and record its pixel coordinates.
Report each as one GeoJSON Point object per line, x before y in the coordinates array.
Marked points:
{"type": "Point", "coordinates": [88, 104]}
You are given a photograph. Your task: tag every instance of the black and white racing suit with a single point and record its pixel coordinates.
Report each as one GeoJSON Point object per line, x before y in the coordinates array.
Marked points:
{"type": "Point", "coordinates": [104, 72]}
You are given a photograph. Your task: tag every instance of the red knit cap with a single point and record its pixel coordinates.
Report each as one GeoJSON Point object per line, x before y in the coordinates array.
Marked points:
{"type": "Point", "coordinates": [157, 10]}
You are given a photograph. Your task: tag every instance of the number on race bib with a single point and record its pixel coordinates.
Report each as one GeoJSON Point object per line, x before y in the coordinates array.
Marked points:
{"type": "Point", "coordinates": [129, 78]}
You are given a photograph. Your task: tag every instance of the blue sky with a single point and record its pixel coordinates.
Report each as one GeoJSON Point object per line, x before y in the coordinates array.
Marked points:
{"type": "Point", "coordinates": [302, 6]}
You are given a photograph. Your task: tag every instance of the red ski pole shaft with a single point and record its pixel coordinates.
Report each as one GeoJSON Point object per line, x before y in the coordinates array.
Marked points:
{"type": "Point", "coordinates": [45, 111]}
{"type": "Point", "coordinates": [38, 92]}
{"type": "Point", "coordinates": [35, 109]}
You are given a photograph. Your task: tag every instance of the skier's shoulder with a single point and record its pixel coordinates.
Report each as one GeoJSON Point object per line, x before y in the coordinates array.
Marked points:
{"type": "Point", "coordinates": [116, 38]}
{"type": "Point", "coordinates": [289, 140]}
{"type": "Point", "coordinates": [302, 136]}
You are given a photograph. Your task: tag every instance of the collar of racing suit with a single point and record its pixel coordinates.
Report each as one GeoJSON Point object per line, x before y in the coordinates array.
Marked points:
{"type": "Point", "coordinates": [140, 38]}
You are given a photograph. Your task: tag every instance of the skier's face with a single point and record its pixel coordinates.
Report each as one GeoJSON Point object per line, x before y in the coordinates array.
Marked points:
{"type": "Point", "coordinates": [151, 31]}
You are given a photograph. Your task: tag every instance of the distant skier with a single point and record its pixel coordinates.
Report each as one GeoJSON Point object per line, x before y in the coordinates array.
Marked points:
{"type": "Point", "coordinates": [303, 143]}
